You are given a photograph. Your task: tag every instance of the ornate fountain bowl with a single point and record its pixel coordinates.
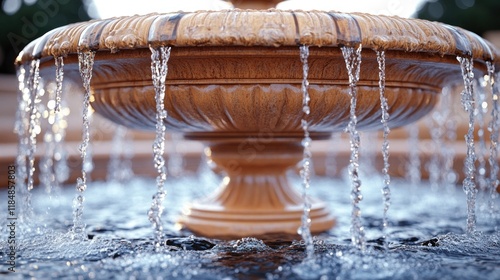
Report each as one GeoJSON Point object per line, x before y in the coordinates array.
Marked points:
{"type": "Point", "coordinates": [234, 82]}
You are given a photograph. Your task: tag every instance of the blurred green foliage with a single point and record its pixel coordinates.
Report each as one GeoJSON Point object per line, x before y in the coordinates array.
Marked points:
{"type": "Point", "coordinates": [477, 16]}
{"type": "Point", "coordinates": [32, 21]}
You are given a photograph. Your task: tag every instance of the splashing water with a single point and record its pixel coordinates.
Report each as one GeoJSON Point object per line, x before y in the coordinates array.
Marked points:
{"type": "Point", "coordinates": [86, 63]}
{"type": "Point", "coordinates": [159, 69]}
{"type": "Point", "coordinates": [352, 59]}
{"type": "Point", "coordinates": [493, 127]}
{"type": "Point", "coordinates": [120, 159]}
{"type": "Point", "coordinates": [305, 172]}
{"type": "Point", "coordinates": [386, 190]}
{"type": "Point", "coordinates": [469, 185]}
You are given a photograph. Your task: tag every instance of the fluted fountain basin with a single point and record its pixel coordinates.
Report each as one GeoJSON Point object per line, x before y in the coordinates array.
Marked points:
{"type": "Point", "coordinates": [234, 82]}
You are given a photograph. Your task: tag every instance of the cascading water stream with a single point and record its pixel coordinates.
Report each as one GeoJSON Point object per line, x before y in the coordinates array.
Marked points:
{"type": "Point", "coordinates": [442, 129]}
{"type": "Point", "coordinates": [47, 175]}
{"type": "Point", "coordinates": [305, 172]}
{"type": "Point", "coordinates": [436, 128]}
{"type": "Point", "coordinates": [175, 162]}
{"type": "Point", "coordinates": [61, 168]}
{"type": "Point", "coordinates": [159, 69]}
{"type": "Point", "coordinates": [449, 177]}
{"type": "Point", "coordinates": [413, 174]}
{"type": "Point", "coordinates": [481, 154]}
{"type": "Point", "coordinates": [352, 57]}
{"type": "Point", "coordinates": [469, 184]}
{"type": "Point", "coordinates": [59, 62]}
{"type": "Point", "coordinates": [21, 127]}
{"type": "Point", "coordinates": [386, 190]}
{"type": "Point", "coordinates": [28, 139]}
{"type": "Point", "coordinates": [53, 166]}
{"type": "Point", "coordinates": [493, 128]}
{"type": "Point", "coordinates": [86, 63]}
{"type": "Point", "coordinates": [120, 158]}
{"type": "Point", "coordinates": [34, 119]}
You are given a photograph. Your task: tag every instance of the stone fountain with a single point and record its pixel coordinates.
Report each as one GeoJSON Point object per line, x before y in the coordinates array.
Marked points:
{"type": "Point", "coordinates": [235, 82]}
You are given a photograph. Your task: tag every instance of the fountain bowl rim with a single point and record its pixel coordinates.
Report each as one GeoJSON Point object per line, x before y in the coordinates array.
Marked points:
{"type": "Point", "coordinates": [265, 28]}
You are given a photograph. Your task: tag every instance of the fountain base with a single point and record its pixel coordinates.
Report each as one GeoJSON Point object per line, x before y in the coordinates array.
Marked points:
{"type": "Point", "coordinates": [255, 197]}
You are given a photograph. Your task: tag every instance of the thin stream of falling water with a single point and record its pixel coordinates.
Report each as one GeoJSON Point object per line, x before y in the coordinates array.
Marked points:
{"type": "Point", "coordinates": [469, 185]}
{"type": "Point", "coordinates": [413, 173]}
{"type": "Point", "coordinates": [120, 159]}
{"type": "Point", "coordinates": [449, 176]}
{"type": "Point", "coordinates": [159, 69]}
{"type": "Point", "coordinates": [47, 175]}
{"type": "Point", "coordinates": [305, 172]}
{"type": "Point", "coordinates": [86, 63]}
{"type": "Point", "coordinates": [352, 59]}
{"type": "Point", "coordinates": [493, 127]}
{"type": "Point", "coordinates": [61, 168]}
{"type": "Point", "coordinates": [34, 119]}
{"type": "Point", "coordinates": [331, 164]}
{"type": "Point", "coordinates": [386, 190]}
{"type": "Point", "coordinates": [480, 112]}
{"type": "Point", "coordinates": [436, 129]}
{"type": "Point", "coordinates": [21, 129]}
{"type": "Point", "coordinates": [441, 127]}
{"type": "Point", "coordinates": [175, 161]}
{"type": "Point", "coordinates": [59, 62]}
{"type": "Point", "coordinates": [51, 173]}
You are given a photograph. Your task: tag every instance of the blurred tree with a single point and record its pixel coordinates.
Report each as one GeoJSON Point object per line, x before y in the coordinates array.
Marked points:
{"type": "Point", "coordinates": [477, 16]}
{"type": "Point", "coordinates": [22, 21]}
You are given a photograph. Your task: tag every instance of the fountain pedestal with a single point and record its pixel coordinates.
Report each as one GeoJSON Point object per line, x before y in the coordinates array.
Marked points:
{"type": "Point", "coordinates": [255, 197]}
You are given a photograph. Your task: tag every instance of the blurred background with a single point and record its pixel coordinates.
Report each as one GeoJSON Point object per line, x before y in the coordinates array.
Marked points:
{"type": "Point", "coordinates": [22, 21]}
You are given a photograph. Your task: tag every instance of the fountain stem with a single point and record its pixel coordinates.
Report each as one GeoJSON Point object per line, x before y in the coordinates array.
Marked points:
{"type": "Point", "coordinates": [255, 197]}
